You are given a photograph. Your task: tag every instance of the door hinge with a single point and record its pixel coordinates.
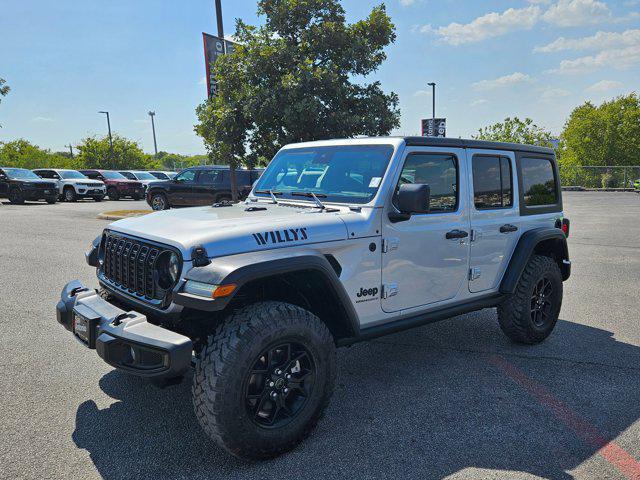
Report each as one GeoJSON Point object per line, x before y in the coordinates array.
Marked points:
{"type": "Point", "coordinates": [474, 273]}
{"type": "Point", "coordinates": [389, 290]}
{"type": "Point", "coordinates": [390, 244]}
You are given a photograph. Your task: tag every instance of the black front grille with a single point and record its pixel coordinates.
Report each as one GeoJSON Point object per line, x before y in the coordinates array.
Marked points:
{"type": "Point", "coordinates": [129, 265]}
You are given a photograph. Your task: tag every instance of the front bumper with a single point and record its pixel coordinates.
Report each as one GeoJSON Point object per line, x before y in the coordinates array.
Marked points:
{"type": "Point", "coordinates": [124, 340]}
{"type": "Point", "coordinates": [39, 194]}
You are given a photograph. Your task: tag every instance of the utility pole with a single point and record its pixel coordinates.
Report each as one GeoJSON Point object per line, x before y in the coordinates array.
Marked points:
{"type": "Point", "coordinates": [232, 167]}
{"type": "Point", "coordinates": [70, 149]}
{"type": "Point", "coordinates": [153, 127]}
{"type": "Point", "coordinates": [110, 138]}
{"type": "Point", "coordinates": [433, 115]}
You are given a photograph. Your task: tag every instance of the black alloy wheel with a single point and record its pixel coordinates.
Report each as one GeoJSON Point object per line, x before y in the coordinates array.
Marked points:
{"type": "Point", "coordinates": [542, 302]}
{"type": "Point", "coordinates": [279, 384]}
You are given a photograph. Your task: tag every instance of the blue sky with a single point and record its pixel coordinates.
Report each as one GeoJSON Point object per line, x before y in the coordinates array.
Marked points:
{"type": "Point", "coordinates": [65, 60]}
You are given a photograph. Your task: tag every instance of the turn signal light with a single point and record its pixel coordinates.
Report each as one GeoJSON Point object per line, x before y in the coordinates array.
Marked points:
{"type": "Point", "coordinates": [224, 290]}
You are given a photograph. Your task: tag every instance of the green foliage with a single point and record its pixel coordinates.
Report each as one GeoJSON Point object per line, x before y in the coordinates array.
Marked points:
{"type": "Point", "coordinates": [95, 152]}
{"type": "Point", "coordinates": [516, 131]}
{"type": "Point", "coordinates": [608, 134]}
{"type": "Point", "coordinates": [4, 88]}
{"type": "Point", "coordinates": [21, 153]}
{"type": "Point", "coordinates": [294, 79]}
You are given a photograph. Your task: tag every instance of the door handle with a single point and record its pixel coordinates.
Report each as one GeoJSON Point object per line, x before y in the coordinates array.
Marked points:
{"type": "Point", "coordinates": [508, 228]}
{"type": "Point", "coordinates": [456, 234]}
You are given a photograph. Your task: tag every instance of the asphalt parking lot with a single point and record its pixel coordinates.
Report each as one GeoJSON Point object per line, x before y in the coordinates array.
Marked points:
{"type": "Point", "coordinates": [453, 399]}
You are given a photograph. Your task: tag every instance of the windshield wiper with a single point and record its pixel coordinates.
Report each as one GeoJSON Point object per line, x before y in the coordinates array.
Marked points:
{"type": "Point", "coordinates": [312, 195]}
{"type": "Point", "coordinates": [270, 192]}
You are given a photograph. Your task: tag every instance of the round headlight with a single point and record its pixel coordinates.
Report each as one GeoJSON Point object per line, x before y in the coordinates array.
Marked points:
{"type": "Point", "coordinates": [167, 270]}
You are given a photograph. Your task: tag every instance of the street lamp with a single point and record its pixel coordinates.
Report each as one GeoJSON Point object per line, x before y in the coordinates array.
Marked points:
{"type": "Point", "coordinates": [433, 116]}
{"type": "Point", "coordinates": [110, 139]}
{"type": "Point", "coordinates": [153, 127]}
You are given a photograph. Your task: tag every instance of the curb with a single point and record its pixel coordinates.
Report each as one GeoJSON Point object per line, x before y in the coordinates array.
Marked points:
{"type": "Point", "coordinates": [120, 214]}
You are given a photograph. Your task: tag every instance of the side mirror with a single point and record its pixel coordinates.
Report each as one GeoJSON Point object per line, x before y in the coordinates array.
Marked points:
{"type": "Point", "coordinates": [412, 198]}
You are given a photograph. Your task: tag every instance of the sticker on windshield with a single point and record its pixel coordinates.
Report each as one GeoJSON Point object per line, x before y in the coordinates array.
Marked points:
{"type": "Point", "coordinates": [375, 182]}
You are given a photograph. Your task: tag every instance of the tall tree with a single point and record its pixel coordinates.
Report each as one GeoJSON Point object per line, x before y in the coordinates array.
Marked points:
{"type": "Point", "coordinates": [516, 131]}
{"type": "Point", "coordinates": [299, 77]}
{"type": "Point", "coordinates": [608, 134]}
{"type": "Point", "coordinates": [127, 154]}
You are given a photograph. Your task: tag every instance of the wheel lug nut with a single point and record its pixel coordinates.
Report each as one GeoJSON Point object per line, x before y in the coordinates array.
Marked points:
{"type": "Point", "coordinates": [289, 376]}
{"type": "Point", "coordinates": [286, 390]}
{"type": "Point", "coordinates": [274, 395]}
{"type": "Point", "coordinates": [271, 384]}
{"type": "Point", "coordinates": [278, 372]}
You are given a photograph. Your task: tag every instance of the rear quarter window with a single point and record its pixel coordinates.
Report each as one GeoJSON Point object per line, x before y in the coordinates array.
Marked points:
{"type": "Point", "coordinates": [539, 184]}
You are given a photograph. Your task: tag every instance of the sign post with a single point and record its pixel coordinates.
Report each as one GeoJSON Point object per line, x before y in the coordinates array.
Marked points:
{"type": "Point", "coordinates": [434, 127]}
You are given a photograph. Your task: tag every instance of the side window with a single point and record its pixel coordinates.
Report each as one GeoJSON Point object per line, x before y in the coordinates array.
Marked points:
{"type": "Point", "coordinates": [208, 177]}
{"type": "Point", "coordinates": [492, 182]}
{"type": "Point", "coordinates": [538, 182]}
{"type": "Point", "coordinates": [440, 172]}
{"type": "Point", "coordinates": [186, 176]}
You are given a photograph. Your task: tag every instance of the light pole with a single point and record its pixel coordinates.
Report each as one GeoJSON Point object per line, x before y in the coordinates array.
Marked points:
{"type": "Point", "coordinates": [232, 167]}
{"type": "Point", "coordinates": [153, 127]}
{"type": "Point", "coordinates": [433, 115]}
{"type": "Point", "coordinates": [110, 138]}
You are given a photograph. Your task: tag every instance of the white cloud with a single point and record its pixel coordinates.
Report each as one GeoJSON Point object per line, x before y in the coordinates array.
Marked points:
{"type": "Point", "coordinates": [619, 59]}
{"type": "Point", "coordinates": [605, 86]}
{"type": "Point", "coordinates": [506, 81]}
{"type": "Point", "coordinates": [422, 93]}
{"type": "Point", "coordinates": [554, 94]}
{"type": "Point", "coordinates": [599, 41]}
{"type": "Point", "coordinates": [407, 3]}
{"type": "Point", "coordinates": [540, 2]}
{"type": "Point", "coordinates": [42, 120]}
{"type": "Point", "coordinates": [487, 26]}
{"type": "Point", "coordinates": [480, 101]}
{"type": "Point", "coordinates": [572, 13]}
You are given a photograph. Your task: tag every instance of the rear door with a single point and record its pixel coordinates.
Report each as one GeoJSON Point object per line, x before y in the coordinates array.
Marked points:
{"type": "Point", "coordinates": [420, 264]}
{"type": "Point", "coordinates": [206, 189]}
{"type": "Point", "coordinates": [495, 220]}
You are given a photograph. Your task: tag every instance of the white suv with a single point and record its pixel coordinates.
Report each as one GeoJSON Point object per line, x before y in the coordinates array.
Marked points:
{"type": "Point", "coordinates": [73, 185]}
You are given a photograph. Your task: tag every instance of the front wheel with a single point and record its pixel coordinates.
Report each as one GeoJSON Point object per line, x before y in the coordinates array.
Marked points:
{"type": "Point", "coordinates": [70, 195]}
{"type": "Point", "coordinates": [264, 379]}
{"type": "Point", "coordinates": [530, 314]}
{"type": "Point", "coordinates": [98, 198]}
{"type": "Point", "coordinates": [159, 202]}
{"type": "Point", "coordinates": [113, 194]}
{"type": "Point", "coordinates": [16, 197]}
{"type": "Point", "coordinates": [51, 200]}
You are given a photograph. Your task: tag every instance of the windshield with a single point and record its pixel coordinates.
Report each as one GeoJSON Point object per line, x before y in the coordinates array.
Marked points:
{"type": "Point", "coordinates": [21, 173]}
{"type": "Point", "coordinates": [346, 174]}
{"type": "Point", "coordinates": [113, 176]}
{"type": "Point", "coordinates": [71, 175]}
{"type": "Point", "coordinates": [144, 176]}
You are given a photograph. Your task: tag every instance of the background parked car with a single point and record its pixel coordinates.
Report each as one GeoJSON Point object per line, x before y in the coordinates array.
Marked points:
{"type": "Point", "coordinates": [20, 184]}
{"type": "Point", "coordinates": [143, 177]}
{"type": "Point", "coordinates": [163, 174]}
{"type": "Point", "coordinates": [199, 186]}
{"type": "Point", "coordinates": [118, 186]}
{"type": "Point", "coordinates": [73, 185]}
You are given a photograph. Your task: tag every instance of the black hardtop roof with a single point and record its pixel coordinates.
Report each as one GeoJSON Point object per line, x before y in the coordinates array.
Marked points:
{"type": "Point", "coordinates": [480, 144]}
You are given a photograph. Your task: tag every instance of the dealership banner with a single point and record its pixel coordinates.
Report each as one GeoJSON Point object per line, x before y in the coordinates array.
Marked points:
{"type": "Point", "coordinates": [440, 129]}
{"type": "Point", "coordinates": [213, 48]}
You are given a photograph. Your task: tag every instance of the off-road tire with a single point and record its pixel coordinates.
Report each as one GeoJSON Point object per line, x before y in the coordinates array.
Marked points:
{"type": "Point", "coordinates": [98, 198]}
{"type": "Point", "coordinates": [223, 366]}
{"type": "Point", "coordinates": [137, 197]}
{"type": "Point", "coordinates": [51, 200]}
{"type": "Point", "coordinates": [514, 314]}
{"type": "Point", "coordinates": [16, 197]}
{"type": "Point", "coordinates": [70, 194]}
{"type": "Point", "coordinates": [158, 202]}
{"type": "Point", "coordinates": [113, 194]}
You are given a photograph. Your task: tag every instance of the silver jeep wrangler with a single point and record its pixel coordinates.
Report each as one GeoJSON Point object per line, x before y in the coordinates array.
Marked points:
{"type": "Point", "coordinates": [339, 241]}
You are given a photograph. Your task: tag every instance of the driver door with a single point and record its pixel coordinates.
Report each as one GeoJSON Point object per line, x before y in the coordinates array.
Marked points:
{"type": "Point", "coordinates": [182, 188]}
{"type": "Point", "coordinates": [425, 258]}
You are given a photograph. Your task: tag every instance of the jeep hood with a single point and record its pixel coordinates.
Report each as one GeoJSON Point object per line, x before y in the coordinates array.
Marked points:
{"type": "Point", "coordinates": [236, 229]}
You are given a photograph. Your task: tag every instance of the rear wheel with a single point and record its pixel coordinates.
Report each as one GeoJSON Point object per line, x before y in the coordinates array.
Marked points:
{"type": "Point", "coordinates": [113, 194]}
{"type": "Point", "coordinates": [51, 200]}
{"type": "Point", "coordinates": [70, 194]}
{"type": "Point", "coordinates": [16, 197]}
{"type": "Point", "coordinates": [530, 314]}
{"type": "Point", "coordinates": [264, 379]}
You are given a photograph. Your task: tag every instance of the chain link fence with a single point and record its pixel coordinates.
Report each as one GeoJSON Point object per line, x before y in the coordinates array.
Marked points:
{"type": "Point", "coordinates": [600, 176]}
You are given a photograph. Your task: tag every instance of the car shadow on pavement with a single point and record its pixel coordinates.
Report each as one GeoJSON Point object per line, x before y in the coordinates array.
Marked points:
{"type": "Point", "coordinates": [406, 406]}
